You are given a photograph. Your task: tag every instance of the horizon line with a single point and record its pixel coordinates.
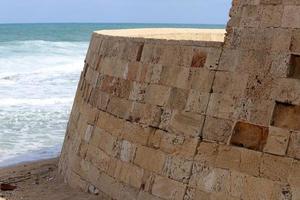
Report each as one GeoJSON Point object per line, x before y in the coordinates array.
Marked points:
{"type": "Point", "coordinates": [162, 23]}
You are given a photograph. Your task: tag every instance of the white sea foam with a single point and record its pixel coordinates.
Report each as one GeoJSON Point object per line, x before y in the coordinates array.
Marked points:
{"type": "Point", "coordinates": [34, 102]}
{"type": "Point", "coordinates": [38, 81]}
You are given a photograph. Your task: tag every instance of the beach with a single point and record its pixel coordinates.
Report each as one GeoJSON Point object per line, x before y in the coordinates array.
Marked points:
{"type": "Point", "coordinates": [38, 181]}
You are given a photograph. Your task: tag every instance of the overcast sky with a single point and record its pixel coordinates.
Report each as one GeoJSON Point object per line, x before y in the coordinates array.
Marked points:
{"type": "Point", "coordinates": [138, 11]}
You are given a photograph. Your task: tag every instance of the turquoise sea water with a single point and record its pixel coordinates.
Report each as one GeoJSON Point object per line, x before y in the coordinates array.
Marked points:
{"type": "Point", "coordinates": [39, 70]}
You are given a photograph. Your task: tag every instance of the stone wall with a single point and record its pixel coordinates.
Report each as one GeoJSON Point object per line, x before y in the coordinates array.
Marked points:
{"type": "Point", "coordinates": [192, 120]}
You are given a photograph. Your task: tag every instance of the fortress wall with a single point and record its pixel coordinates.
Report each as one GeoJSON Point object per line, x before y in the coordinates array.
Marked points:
{"type": "Point", "coordinates": [138, 115]}
{"type": "Point", "coordinates": [192, 120]}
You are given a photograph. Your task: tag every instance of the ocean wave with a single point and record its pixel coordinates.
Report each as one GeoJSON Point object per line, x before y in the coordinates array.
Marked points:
{"type": "Point", "coordinates": [6, 102]}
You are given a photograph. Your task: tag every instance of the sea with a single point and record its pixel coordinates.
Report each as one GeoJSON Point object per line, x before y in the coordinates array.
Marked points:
{"type": "Point", "coordinates": [40, 65]}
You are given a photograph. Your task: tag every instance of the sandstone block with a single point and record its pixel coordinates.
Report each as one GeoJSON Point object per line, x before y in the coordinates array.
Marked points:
{"type": "Point", "coordinates": [250, 162]}
{"type": "Point", "coordinates": [101, 100]}
{"type": "Point", "coordinates": [207, 153]}
{"type": "Point", "coordinates": [197, 102]}
{"type": "Point", "coordinates": [138, 91]}
{"type": "Point", "coordinates": [110, 123]}
{"type": "Point", "coordinates": [250, 16]}
{"type": "Point", "coordinates": [199, 59]}
{"type": "Point", "coordinates": [131, 175]}
{"type": "Point", "coordinates": [175, 76]}
{"type": "Point", "coordinates": [222, 106]}
{"type": "Point", "coordinates": [178, 144]}
{"type": "Point", "coordinates": [201, 79]}
{"type": "Point", "coordinates": [127, 151]}
{"type": "Point", "coordinates": [157, 95]}
{"type": "Point", "coordinates": [291, 16]}
{"type": "Point", "coordinates": [188, 124]}
{"type": "Point", "coordinates": [119, 107]}
{"type": "Point", "coordinates": [277, 141]}
{"type": "Point", "coordinates": [228, 158]}
{"type": "Point", "coordinates": [150, 159]}
{"type": "Point", "coordinates": [168, 189]}
{"type": "Point", "coordinates": [108, 143]}
{"type": "Point", "coordinates": [136, 134]}
{"type": "Point", "coordinates": [165, 118]}
{"type": "Point", "coordinates": [145, 114]}
{"type": "Point", "coordinates": [122, 88]}
{"type": "Point", "coordinates": [216, 129]}
{"type": "Point", "coordinates": [294, 177]}
{"type": "Point", "coordinates": [91, 76]}
{"type": "Point", "coordinates": [208, 179]}
{"type": "Point", "coordinates": [271, 15]}
{"type": "Point", "coordinates": [258, 188]}
{"type": "Point", "coordinates": [88, 133]}
{"type": "Point", "coordinates": [178, 168]}
{"type": "Point", "coordinates": [132, 70]}
{"type": "Point", "coordinates": [98, 158]}
{"type": "Point", "coordinates": [294, 145]}
{"type": "Point", "coordinates": [114, 67]}
{"type": "Point", "coordinates": [177, 99]}
{"type": "Point", "coordinates": [280, 172]}
{"type": "Point", "coordinates": [230, 83]}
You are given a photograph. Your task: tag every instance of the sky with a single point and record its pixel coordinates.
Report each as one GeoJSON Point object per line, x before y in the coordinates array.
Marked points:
{"type": "Point", "coordinates": [108, 11]}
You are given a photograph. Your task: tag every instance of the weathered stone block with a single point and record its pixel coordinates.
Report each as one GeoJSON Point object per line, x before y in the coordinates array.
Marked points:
{"type": "Point", "coordinates": [277, 141]}
{"type": "Point", "coordinates": [188, 124]}
{"type": "Point", "coordinates": [291, 16]}
{"type": "Point", "coordinates": [132, 70]}
{"type": "Point", "coordinates": [201, 79]}
{"type": "Point", "coordinates": [216, 129]}
{"type": "Point", "coordinates": [250, 162]}
{"type": "Point", "coordinates": [119, 107]}
{"type": "Point", "coordinates": [177, 99]}
{"type": "Point", "coordinates": [208, 179]}
{"type": "Point", "coordinates": [138, 91]}
{"type": "Point", "coordinates": [157, 95]}
{"type": "Point", "coordinates": [150, 159]}
{"type": "Point", "coordinates": [280, 172]}
{"type": "Point", "coordinates": [230, 83]}
{"type": "Point", "coordinates": [197, 102]}
{"type": "Point", "coordinates": [199, 59]}
{"type": "Point", "coordinates": [136, 133]}
{"type": "Point", "coordinates": [127, 151]}
{"type": "Point", "coordinates": [178, 168]}
{"type": "Point", "coordinates": [131, 175]}
{"type": "Point", "coordinates": [250, 16]}
{"type": "Point", "coordinates": [109, 144]}
{"type": "Point", "coordinates": [110, 123]}
{"type": "Point", "coordinates": [207, 153]}
{"type": "Point", "coordinates": [228, 158]}
{"type": "Point", "coordinates": [174, 144]}
{"type": "Point", "coordinates": [98, 158]}
{"type": "Point", "coordinates": [175, 76]}
{"type": "Point", "coordinates": [223, 106]}
{"type": "Point", "coordinates": [168, 189]}
{"type": "Point", "coordinates": [146, 114]}
{"type": "Point", "coordinates": [271, 15]}
{"type": "Point", "coordinates": [294, 145]}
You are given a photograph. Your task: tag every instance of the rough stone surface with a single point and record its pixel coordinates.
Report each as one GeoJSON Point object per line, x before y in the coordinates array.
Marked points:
{"type": "Point", "coordinates": [191, 119]}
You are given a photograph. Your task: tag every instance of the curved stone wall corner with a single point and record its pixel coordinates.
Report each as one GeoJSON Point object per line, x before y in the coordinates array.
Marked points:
{"type": "Point", "coordinates": [138, 116]}
{"type": "Point", "coordinates": [167, 119]}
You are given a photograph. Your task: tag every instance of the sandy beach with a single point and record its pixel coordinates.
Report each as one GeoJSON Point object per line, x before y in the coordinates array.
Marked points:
{"type": "Point", "coordinates": [38, 181]}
